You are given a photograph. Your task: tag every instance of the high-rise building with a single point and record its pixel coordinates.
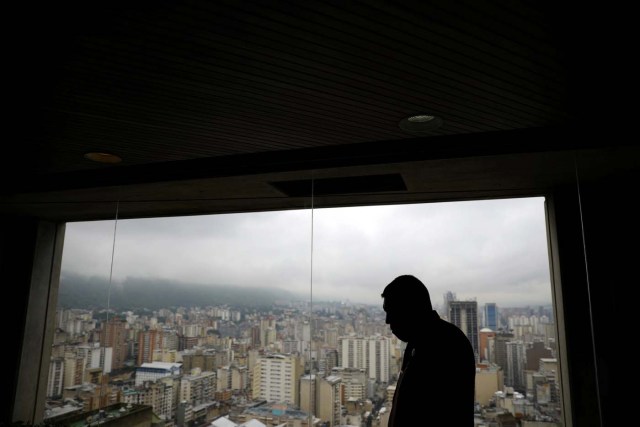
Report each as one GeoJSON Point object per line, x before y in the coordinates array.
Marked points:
{"type": "Point", "coordinates": [447, 298]}
{"type": "Point", "coordinates": [514, 374]}
{"type": "Point", "coordinates": [328, 399]}
{"type": "Point", "coordinates": [354, 382]}
{"type": "Point", "coordinates": [239, 378]}
{"type": "Point", "coordinates": [198, 358]}
{"type": "Point", "coordinates": [464, 314]}
{"type": "Point", "coordinates": [114, 335]}
{"type": "Point", "coordinates": [198, 388]}
{"type": "Point", "coordinates": [276, 378]}
{"type": "Point", "coordinates": [74, 367]}
{"type": "Point", "coordinates": [308, 391]}
{"type": "Point", "coordinates": [322, 397]}
{"type": "Point", "coordinates": [331, 337]}
{"type": "Point", "coordinates": [487, 343]}
{"type": "Point", "coordinates": [501, 340]}
{"type": "Point", "coordinates": [148, 342]}
{"type": "Point", "coordinates": [267, 331]}
{"type": "Point", "coordinates": [489, 380]}
{"type": "Point", "coordinates": [371, 353]}
{"type": "Point", "coordinates": [328, 360]}
{"type": "Point", "coordinates": [55, 382]}
{"type": "Point", "coordinates": [491, 316]}
{"type": "Point", "coordinates": [169, 339]}
{"type": "Point", "coordinates": [160, 395]}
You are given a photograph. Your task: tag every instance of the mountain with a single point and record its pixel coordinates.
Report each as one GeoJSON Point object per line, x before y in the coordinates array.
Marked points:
{"type": "Point", "coordinates": [77, 291]}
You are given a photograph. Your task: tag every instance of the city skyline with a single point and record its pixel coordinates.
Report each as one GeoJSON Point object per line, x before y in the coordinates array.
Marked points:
{"type": "Point", "coordinates": [490, 251]}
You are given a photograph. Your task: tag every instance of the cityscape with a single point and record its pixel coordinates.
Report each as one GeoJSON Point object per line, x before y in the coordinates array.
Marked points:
{"type": "Point", "coordinates": [286, 365]}
{"type": "Point", "coordinates": [291, 332]}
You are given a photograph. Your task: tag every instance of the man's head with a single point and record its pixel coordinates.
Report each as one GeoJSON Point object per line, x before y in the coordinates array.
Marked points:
{"type": "Point", "coordinates": [407, 303]}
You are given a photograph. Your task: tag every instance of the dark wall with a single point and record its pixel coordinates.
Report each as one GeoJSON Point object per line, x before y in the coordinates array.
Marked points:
{"type": "Point", "coordinates": [610, 221]}
{"type": "Point", "coordinates": [17, 246]}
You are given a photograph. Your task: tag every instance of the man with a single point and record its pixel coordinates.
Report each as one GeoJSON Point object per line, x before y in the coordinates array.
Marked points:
{"type": "Point", "coordinates": [437, 380]}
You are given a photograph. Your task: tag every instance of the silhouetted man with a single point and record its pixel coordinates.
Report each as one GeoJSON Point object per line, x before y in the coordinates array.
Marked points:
{"type": "Point", "coordinates": [437, 380]}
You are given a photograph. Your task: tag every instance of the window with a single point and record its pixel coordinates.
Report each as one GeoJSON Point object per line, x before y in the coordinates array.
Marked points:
{"type": "Point", "coordinates": [485, 264]}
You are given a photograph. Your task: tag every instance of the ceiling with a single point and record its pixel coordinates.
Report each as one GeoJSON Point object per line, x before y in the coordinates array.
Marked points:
{"type": "Point", "coordinates": [210, 103]}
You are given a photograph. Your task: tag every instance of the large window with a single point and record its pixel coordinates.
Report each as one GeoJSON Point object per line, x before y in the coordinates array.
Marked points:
{"type": "Point", "coordinates": [224, 311]}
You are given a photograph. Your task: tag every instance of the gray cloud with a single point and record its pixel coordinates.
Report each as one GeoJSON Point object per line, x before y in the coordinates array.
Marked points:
{"type": "Point", "coordinates": [489, 250]}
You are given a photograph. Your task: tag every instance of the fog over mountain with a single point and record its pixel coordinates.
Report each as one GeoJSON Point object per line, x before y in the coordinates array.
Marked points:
{"type": "Point", "coordinates": [487, 250]}
{"type": "Point", "coordinates": [92, 292]}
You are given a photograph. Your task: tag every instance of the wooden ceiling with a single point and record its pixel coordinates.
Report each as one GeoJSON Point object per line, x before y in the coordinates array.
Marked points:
{"type": "Point", "coordinates": [197, 90]}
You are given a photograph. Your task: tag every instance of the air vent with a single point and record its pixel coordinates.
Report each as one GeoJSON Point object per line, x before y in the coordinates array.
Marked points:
{"type": "Point", "coordinates": [343, 185]}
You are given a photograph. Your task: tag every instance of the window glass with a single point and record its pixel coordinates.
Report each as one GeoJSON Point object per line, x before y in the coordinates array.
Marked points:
{"type": "Point", "coordinates": [208, 316]}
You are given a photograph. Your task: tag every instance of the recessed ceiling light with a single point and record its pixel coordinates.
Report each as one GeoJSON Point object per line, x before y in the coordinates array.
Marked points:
{"type": "Point", "coordinates": [103, 157]}
{"type": "Point", "coordinates": [420, 124]}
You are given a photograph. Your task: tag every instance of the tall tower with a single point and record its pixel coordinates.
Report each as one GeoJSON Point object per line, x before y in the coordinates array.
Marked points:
{"type": "Point", "coordinates": [322, 397]}
{"type": "Point", "coordinates": [447, 297]}
{"type": "Point", "coordinates": [515, 366]}
{"type": "Point", "coordinates": [464, 314]}
{"type": "Point", "coordinates": [328, 399]}
{"type": "Point", "coordinates": [55, 382]}
{"type": "Point", "coordinates": [267, 331]}
{"type": "Point", "coordinates": [114, 335]}
{"type": "Point", "coordinates": [491, 316]}
{"type": "Point", "coordinates": [501, 340]}
{"type": "Point", "coordinates": [148, 341]}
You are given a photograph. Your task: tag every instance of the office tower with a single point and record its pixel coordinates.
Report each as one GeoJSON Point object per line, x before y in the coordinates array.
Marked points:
{"type": "Point", "coordinates": [114, 335]}
{"type": "Point", "coordinates": [148, 342]}
{"type": "Point", "coordinates": [276, 379]}
{"type": "Point", "coordinates": [254, 336]}
{"type": "Point", "coordinates": [491, 316]}
{"type": "Point", "coordinates": [55, 381]}
{"type": "Point", "coordinates": [372, 354]}
{"type": "Point", "coordinates": [198, 387]}
{"type": "Point", "coordinates": [514, 374]}
{"type": "Point", "coordinates": [464, 314]}
{"type": "Point", "coordinates": [447, 298]}
{"type": "Point", "coordinates": [501, 340]}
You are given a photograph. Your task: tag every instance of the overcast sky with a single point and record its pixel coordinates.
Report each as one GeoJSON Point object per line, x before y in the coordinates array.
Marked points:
{"type": "Point", "coordinates": [493, 251]}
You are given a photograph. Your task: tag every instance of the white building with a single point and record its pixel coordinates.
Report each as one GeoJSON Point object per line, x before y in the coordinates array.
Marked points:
{"type": "Point", "coordinates": [276, 379]}
{"type": "Point", "coordinates": [371, 353]}
{"type": "Point", "coordinates": [156, 370]}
